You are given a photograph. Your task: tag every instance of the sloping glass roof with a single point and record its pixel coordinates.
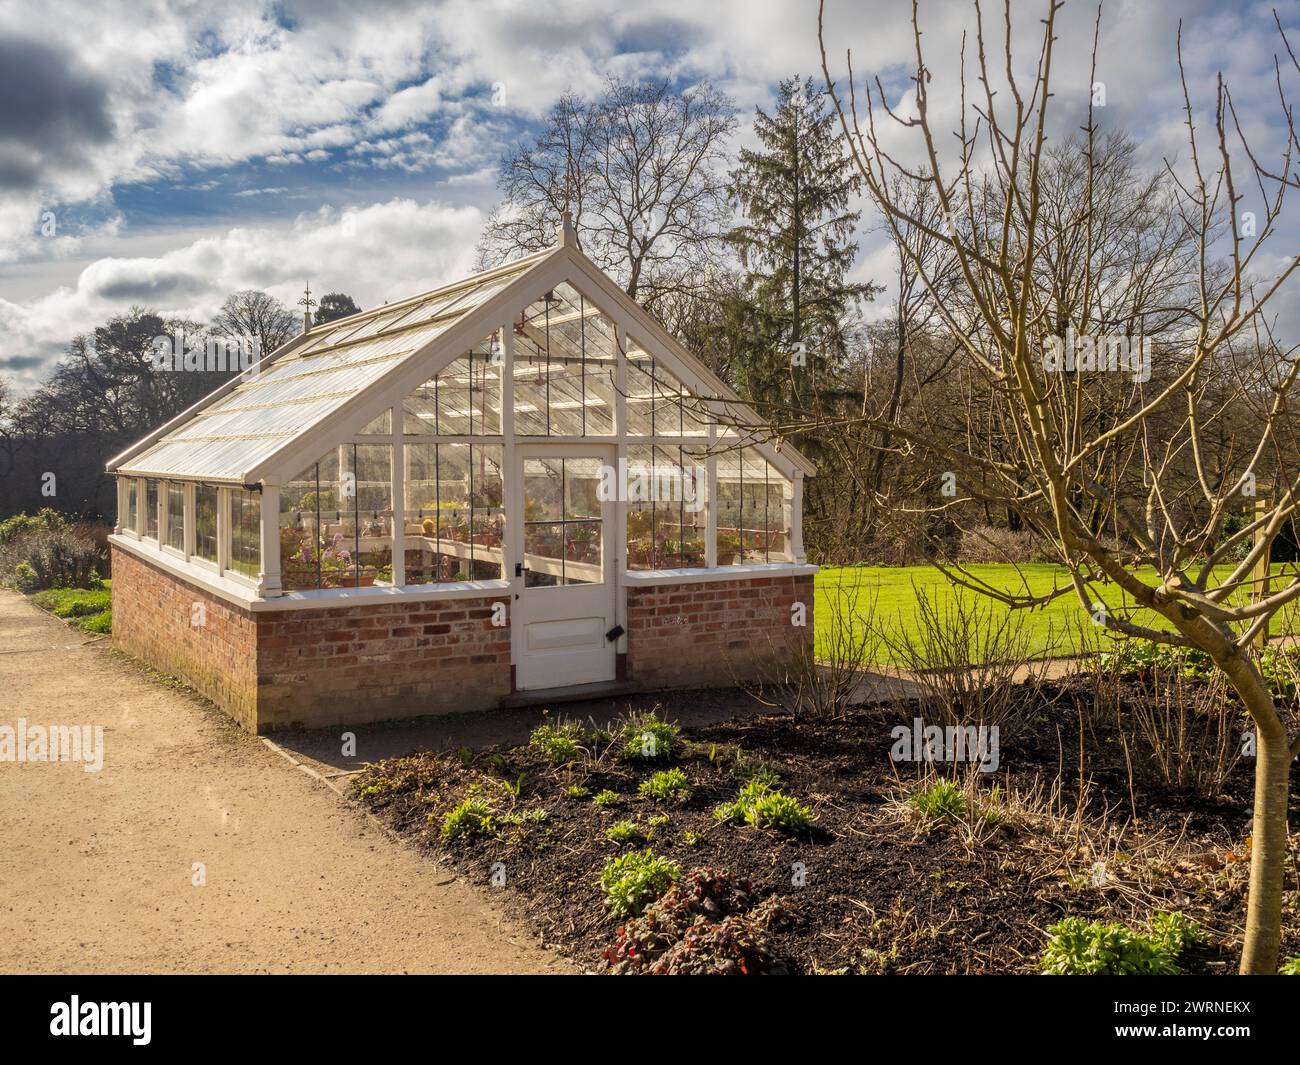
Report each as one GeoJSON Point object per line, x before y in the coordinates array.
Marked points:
{"type": "Point", "coordinates": [273, 406]}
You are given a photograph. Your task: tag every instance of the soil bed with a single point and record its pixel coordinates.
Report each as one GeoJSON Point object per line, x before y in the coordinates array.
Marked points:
{"type": "Point", "coordinates": [1068, 825]}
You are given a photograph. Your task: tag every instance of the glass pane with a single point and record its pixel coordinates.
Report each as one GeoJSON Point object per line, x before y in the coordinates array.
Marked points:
{"type": "Point", "coordinates": [176, 516]}
{"type": "Point", "coordinates": [658, 404]}
{"type": "Point", "coordinates": [730, 549]}
{"type": "Point", "coordinates": [565, 351]}
{"type": "Point", "coordinates": [454, 521]}
{"type": "Point", "coordinates": [151, 509]}
{"type": "Point", "coordinates": [381, 426]}
{"type": "Point", "coordinates": [205, 522]}
{"type": "Point", "coordinates": [666, 508]}
{"type": "Point", "coordinates": [582, 552]}
{"type": "Point", "coordinates": [463, 400]}
{"type": "Point", "coordinates": [581, 486]}
{"type": "Point", "coordinates": [245, 532]}
{"type": "Point", "coordinates": [132, 504]}
{"type": "Point", "coordinates": [373, 524]}
{"type": "Point", "coordinates": [543, 489]}
{"type": "Point", "coordinates": [543, 554]}
{"type": "Point", "coordinates": [753, 515]}
{"type": "Point", "coordinates": [563, 530]}
{"type": "Point", "coordinates": [309, 507]}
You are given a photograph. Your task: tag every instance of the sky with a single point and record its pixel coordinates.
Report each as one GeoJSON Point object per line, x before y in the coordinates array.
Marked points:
{"type": "Point", "coordinates": [165, 154]}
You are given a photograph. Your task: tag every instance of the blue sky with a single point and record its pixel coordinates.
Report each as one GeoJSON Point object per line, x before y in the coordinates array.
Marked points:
{"type": "Point", "coordinates": [185, 150]}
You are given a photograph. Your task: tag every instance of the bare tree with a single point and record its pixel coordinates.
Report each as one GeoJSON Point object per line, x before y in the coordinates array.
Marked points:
{"type": "Point", "coordinates": [253, 314]}
{"type": "Point", "coordinates": [641, 171]}
{"type": "Point", "coordinates": [1126, 439]}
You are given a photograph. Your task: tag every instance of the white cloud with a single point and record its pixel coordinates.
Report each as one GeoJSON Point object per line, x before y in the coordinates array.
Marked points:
{"type": "Point", "coordinates": [378, 253]}
{"type": "Point", "coordinates": [191, 90]}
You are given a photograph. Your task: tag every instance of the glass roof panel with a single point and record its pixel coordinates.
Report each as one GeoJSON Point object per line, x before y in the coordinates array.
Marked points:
{"type": "Point", "coordinates": [270, 408]}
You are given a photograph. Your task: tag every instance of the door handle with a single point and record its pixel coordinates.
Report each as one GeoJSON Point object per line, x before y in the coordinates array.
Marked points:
{"type": "Point", "coordinates": [520, 569]}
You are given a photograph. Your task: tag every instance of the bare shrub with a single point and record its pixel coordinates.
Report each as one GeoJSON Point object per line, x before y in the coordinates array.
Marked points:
{"type": "Point", "coordinates": [821, 677]}
{"type": "Point", "coordinates": [988, 543]}
{"type": "Point", "coordinates": [1186, 731]}
{"type": "Point", "coordinates": [974, 661]}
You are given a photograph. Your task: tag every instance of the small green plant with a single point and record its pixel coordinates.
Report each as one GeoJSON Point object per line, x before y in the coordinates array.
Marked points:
{"type": "Point", "coordinates": [559, 743]}
{"type": "Point", "coordinates": [763, 806]}
{"type": "Point", "coordinates": [1290, 967]}
{"type": "Point", "coordinates": [534, 816]}
{"type": "Point", "coordinates": [758, 773]}
{"type": "Point", "coordinates": [473, 817]}
{"type": "Point", "coordinates": [1175, 930]}
{"type": "Point", "coordinates": [645, 738]}
{"type": "Point", "coordinates": [634, 880]}
{"type": "Point", "coordinates": [775, 809]}
{"type": "Point", "coordinates": [667, 785]}
{"type": "Point", "coordinates": [692, 838]}
{"type": "Point", "coordinates": [605, 797]}
{"type": "Point", "coordinates": [624, 832]}
{"type": "Point", "coordinates": [577, 791]}
{"type": "Point", "coordinates": [941, 801]}
{"type": "Point", "coordinates": [1093, 948]}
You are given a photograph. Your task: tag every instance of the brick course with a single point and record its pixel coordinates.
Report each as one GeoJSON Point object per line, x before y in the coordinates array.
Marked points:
{"type": "Point", "coordinates": [319, 665]}
{"type": "Point", "coordinates": [712, 633]}
{"type": "Point", "coordinates": [356, 663]}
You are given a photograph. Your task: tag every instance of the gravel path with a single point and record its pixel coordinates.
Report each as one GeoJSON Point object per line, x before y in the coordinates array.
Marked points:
{"type": "Point", "coordinates": [96, 869]}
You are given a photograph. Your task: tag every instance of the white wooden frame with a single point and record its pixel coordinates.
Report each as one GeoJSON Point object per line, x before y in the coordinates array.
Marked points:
{"type": "Point", "coordinates": [564, 264]}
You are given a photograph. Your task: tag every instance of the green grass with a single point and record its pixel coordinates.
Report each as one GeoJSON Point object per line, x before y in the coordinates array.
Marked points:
{"type": "Point", "coordinates": [90, 609]}
{"type": "Point", "coordinates": [1060, 628]}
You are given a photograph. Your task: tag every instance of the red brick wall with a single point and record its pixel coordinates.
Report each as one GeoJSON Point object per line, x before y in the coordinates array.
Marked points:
{"type": "Point", "coordinates": [712, 633]}
{"type": "Point", "coordinates": [349, 665]}
{"type": "Point", "coordinates": [318, 666]}
{"type": "Point", "coordinates": [153, 620]}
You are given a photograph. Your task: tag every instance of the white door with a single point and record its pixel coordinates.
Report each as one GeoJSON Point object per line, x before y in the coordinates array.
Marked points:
{"type": "Point", "coordinates": [566, 582]}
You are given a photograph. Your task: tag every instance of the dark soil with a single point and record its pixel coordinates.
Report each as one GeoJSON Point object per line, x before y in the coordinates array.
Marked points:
{"type": "Point", "coordinates": [873, 887]}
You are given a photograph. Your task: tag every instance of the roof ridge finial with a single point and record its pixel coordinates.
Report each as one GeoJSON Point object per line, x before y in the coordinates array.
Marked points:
{"type": "Point", "coordinates": [568, 235]}
{"type": "Point", "coordinates": [306, 303]}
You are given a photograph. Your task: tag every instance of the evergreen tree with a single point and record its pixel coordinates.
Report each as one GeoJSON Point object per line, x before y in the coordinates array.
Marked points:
{"type": "Point", "coordinates": [796, 244]}
{"type": "Point", "coordinates": [335, 305]}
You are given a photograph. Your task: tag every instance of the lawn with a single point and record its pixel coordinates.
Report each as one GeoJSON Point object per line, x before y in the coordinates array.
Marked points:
{"type": "Point", "coordinates": [90, 609]}
{"type": "Point", "coordinates": [1060, 628]}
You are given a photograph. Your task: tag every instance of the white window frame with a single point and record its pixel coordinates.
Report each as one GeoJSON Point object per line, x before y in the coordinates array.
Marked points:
{"type": "Point", "coordinates": [391, 398]}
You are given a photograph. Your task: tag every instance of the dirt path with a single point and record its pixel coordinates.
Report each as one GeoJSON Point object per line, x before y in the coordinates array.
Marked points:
{"type": "Point", "coordinates": [96, 868]}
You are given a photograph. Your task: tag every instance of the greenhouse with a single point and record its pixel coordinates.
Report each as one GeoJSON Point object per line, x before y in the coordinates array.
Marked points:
{"type": "Point", "coordinates": [517, 487]}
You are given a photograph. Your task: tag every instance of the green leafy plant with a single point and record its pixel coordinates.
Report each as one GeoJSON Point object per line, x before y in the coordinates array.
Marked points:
{"type": "Point", "coordinates": [559, 743]}
{"type": "Point", "coordinates": [667, 785]}
{"type": "Point", "coordinates": [534, 816]}
{"type": "Point", "coordinates": [605, 797]}
{"type": "Point", "coordinates": [1290, 967]}
{"type": "Point", "coordinates": [757, 773]}
{"type": "Point", "coordinates": [577, 791]}
{"type": "Point", "coordinates": [645, 738]}
{"type": "Point", "coordinates": [941, 801]}
{"type": "Point", "coordinates": [1093, 948]}
{"type": "Point", "coordinates": [473, 817]}
{"type": "Point", "coordinates": [763, 806]}
{"type": "Point", "coordinates": [634, 880]}
{"type": "Point", "coordinates": [624, 832]}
